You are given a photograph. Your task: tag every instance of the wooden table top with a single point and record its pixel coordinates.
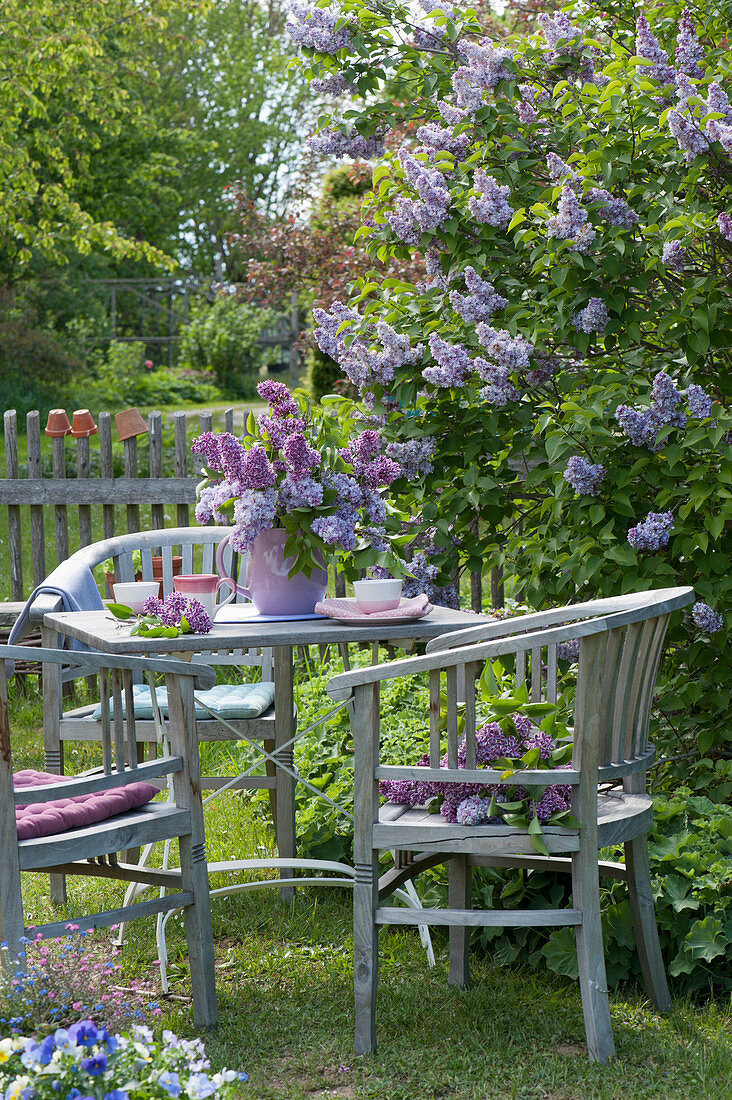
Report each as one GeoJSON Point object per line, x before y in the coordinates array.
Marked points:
{"type": "Point", "coordinates": [100, 630]}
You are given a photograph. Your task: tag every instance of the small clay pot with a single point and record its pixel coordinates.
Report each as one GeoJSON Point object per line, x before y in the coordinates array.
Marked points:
{"type": "Point", "coordinates": [82, 424]}
{"type": "Point", "coordinates": [157, 567]}
{"type": "Point", "coordinates": [129, 424]}
{"type": "Point", "coordinates": [57, 425]}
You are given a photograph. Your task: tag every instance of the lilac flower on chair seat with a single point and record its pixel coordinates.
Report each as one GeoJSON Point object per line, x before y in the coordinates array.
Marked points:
{"type": "Point", "coordinates": [491, 204]}
{"type": "Point", "coordinates": [653, 533]}
{"type": "Point", "coordinates": [584, 477]}
{"type": "Point", "coordinates": [554, 800]}
{"type": "Point", "coordinates": [473, 810]}
{"type": "Point", "coordinates": [649, 48]}
{"type": "Point", "coordinates": [706, 618]}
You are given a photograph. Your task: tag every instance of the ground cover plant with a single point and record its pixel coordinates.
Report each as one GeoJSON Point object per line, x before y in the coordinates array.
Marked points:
{"type": "Point", "coordinates": [568, 351]}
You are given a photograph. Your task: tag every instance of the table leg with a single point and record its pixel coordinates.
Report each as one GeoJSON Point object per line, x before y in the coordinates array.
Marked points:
{"type": "Point", "coordinates": [285, 784]}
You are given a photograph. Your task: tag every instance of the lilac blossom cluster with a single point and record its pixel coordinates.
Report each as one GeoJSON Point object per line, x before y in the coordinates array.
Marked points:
{"type": "Point", "coordinates": [706, 618]}
{"type": "Point", "coordinates": [334, 84]}
{"type": "Point", "coordinates": [724, 225]}
{"type": "Point", "coordinates": [363, 363]}
{"type": "Point", "coordinates": [330, 141]}
{"type": "Point", "coordinates": [593, 318]}
{"type": "Point", "coordinates": [443, 138]}
{"type": "Point", "coordinates": [649, 48]}
{"type": "Point", "coordinates": [460, 801]}
{"type": "Point", "coordinates": [569, 651]}
{"type": "Point", "coordinates": [334, 494]}
{"type": "Point", "coordinates": [613, 209]}
{"type": "Point", "coordinates": [413, 217]}
{"type": "Point", "coordinates": [686, 126]}
{"type": "Point", "coordinates": [652, 533]}
{"type": "Point", "coordinates": [314, 28]}
{"type": "Point", "coordinates": [414, 455]}
{"type": "Point", "coordinates": [674, 255]}
{"type": "Point", "coordinates": [689, 50]}
{"type": "Point", "coordinates": [560, 171]}
{"type": "Point", "coordinates": [485, 66]}
{"type": "Point", "coordinates": [643, 425]}
{"type": "Point", "coordinates": [482, 301]}
{"type": "Point", "coordinates": [491, 203]}
{"type": "Point", "coordinates": [175, 607]}
{"type": "Point", "coordinates": [557, 28]}
{"type": "Point", "coordinates": [571, 223]}
{"type": "Point", "coordinates": [511, 352]}
{"type": "Point", "coordinates": [584, 477]}
{"type": "Point", "coordinates": [452, 363]}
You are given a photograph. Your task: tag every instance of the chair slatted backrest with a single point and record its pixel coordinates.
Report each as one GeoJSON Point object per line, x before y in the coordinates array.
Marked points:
{"type": "Point", "coordinates": [197, 546]}
{"type": "Point", "coordinates": [621, 642]}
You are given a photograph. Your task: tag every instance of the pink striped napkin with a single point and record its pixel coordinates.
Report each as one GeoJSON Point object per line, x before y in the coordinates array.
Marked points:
{"type": "Point", "coordinates": [349, 609]}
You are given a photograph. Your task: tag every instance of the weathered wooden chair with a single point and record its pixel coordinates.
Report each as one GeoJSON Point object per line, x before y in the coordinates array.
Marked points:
{"type": "Point", "coordinates": [621, 641]}
{"type": "Point", "coordinates": [55, 840]}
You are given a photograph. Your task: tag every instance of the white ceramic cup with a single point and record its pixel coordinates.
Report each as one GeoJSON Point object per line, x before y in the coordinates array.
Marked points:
{"type": "Point", "coordinates": [377, 595]}
{"type": "Point", "coordinates": [134, 593]}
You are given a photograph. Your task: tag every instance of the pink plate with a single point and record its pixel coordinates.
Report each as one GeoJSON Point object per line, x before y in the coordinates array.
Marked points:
{"type": "Point", "coordinates": [408, 614]}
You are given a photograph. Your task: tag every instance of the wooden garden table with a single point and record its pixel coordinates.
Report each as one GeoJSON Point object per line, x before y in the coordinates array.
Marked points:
{"type": "Point", "coordinates": [100, 631]}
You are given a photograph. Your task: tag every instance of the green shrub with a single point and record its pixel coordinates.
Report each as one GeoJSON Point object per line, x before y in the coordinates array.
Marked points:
{"type": "Point", "coordinates": [221, 337]}
{"type": "Point", "coordinates": [36, 371]}
{"type": "Point", "coordinates": [123, 376]}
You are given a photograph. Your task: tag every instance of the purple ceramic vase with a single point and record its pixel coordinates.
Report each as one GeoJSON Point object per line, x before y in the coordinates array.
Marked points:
{"type": "Point", "coordinates": [268, 586]}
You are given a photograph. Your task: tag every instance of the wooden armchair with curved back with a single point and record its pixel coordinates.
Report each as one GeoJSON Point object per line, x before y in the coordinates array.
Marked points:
{"type": "Point", "coordinates": [620, 647]}
{"type": "Point", "coordinates": [116, 812]}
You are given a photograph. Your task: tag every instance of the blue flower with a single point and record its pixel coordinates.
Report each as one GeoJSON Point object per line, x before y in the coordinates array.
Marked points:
{"type": "Point", "coordinates": [84, 1033]}
{"type": "Point", "coordinates": [170, 1082]}
{"type": "Point", "coordinates": [116, 1094]}
{"type": "Point", "coordinates": [95, 1065]}
{"type": "Point", "coordinates": [199, 1087]}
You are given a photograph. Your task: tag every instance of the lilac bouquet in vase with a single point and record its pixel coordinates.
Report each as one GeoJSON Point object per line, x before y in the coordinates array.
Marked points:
{"type": "Point", "coordinates": [297, 493]}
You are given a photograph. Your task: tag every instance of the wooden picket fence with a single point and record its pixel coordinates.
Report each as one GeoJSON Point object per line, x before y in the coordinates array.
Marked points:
{"type": "Point", "coordinates": [74, 498]}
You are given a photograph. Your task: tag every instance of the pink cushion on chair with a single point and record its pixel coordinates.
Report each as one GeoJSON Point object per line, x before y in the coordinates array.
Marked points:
{"type": "Point", "coordinates": [51, 818]}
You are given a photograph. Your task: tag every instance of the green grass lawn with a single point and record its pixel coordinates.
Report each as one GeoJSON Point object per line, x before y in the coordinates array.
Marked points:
{"type": "Point", "coordinates": [285, 996]}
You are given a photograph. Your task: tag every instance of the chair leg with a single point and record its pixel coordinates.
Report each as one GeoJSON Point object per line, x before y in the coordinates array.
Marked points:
{"type": "Point", "coordinates": [199, 933]}
{"type": "Point", "coordinates": [365, 956]}
{"type": "Point", "coordinates": [459, 897]}
{"type": "Point", "coordinates": [591, 957]}
{"type": "Point", "coordinates": [644, 922]}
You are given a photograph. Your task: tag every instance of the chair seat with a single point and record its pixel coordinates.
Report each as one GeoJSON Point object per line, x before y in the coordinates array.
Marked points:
{"type": "Point", "coordinates": [621, 817]}
{"type": "Point", "coordinates": [79, 725]}
{"type": "Point", "coordinates": [146, 825]}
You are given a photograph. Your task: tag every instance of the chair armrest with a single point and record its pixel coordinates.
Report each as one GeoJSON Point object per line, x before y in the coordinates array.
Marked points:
{"type": "Point", "coordinates": [45, 603]}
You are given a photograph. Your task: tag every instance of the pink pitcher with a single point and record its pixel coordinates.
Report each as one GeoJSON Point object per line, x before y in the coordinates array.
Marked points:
{"type": "Point", "coordinates": [268, 586]}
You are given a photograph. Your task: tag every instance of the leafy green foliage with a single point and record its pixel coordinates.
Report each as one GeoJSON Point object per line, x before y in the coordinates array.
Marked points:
{"type": "Point", "coordinates": [574, 127]}
{"type": "Point", "coordinates": [222, 338]}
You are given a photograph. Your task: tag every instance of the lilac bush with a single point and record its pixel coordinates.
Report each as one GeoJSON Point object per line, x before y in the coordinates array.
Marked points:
{"type": "Point", "coordinates": [570, 191]}
{"type": "Point", "coordinates": [316, 476]}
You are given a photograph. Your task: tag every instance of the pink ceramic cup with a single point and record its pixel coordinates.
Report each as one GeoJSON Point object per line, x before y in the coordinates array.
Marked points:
{"type": "Point", "coordinates": [202, 587]}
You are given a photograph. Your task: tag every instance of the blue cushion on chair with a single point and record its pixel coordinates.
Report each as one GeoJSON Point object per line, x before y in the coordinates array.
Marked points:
{"type": "Point", "coordinates": [229, 700]}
